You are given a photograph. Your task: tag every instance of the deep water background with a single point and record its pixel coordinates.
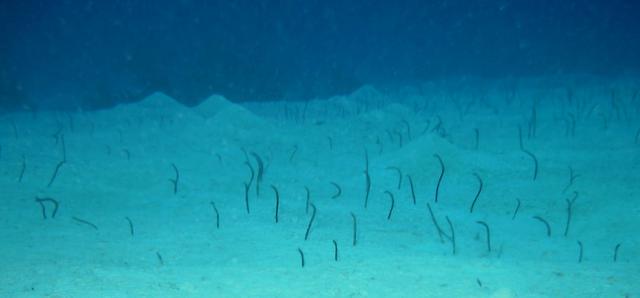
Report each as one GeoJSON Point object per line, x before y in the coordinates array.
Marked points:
{"type": "Point", "coordinates": [93, 54]}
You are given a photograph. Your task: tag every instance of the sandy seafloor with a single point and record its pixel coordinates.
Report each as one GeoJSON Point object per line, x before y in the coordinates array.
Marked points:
{"type": "Point", "coordinates": [119, 165]}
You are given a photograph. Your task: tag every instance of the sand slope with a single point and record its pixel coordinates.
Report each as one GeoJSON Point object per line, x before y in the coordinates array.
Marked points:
{"type": "Point", "coordinates": [118, 166]}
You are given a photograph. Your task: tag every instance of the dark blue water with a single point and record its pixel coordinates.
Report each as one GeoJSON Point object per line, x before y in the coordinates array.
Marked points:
{"type": "Point", "coordinates": [93, 54]}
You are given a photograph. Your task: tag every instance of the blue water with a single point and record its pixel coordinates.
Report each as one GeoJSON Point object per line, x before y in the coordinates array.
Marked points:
{"type": "Point", "coordinates": [70, 54]}
{"type": "Point", "coordinates": [319, 149]}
